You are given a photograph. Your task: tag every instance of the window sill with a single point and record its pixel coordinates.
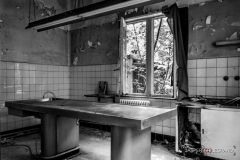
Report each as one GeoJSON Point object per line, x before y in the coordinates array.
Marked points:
{"type": "Point", "coordinates": [150, 97]}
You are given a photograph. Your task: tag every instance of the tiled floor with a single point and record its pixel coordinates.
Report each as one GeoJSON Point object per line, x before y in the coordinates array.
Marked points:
{"type": "Point", "coordinates": [92, 148]}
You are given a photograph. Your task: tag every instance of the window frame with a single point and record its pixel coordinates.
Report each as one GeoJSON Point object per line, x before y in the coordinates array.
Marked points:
{"type": "Point", "coordinates": [150, 57]}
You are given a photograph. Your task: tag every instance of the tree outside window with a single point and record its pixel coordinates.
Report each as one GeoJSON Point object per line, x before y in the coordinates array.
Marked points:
{"type": "Point", "coordinates": [163, 57]}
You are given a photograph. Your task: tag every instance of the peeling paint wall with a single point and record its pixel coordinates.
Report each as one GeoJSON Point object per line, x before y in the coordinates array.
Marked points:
{"type": "Point", "coordinates": [21, 45]}
{"type": "Point", "coordinates": [99, 21]}
{"type": "Point", "coordinates": [213, 22]}
{"type": "Point", "coordinates": [112, 18]}
{"type": "Point", "coordinates": [95, 45]}
{"type": "Point", "coordinates": [46, 8]}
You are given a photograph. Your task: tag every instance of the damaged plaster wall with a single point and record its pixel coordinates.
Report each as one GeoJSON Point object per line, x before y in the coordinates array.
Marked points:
{"type": "Point", "coordinates": [112, 18]}
{"type": "Point", "coordinates": [85, 49]}
{"type": "Point", "coordinates": [213, 22]}
{"type": "Point", "coordinates": [92, 22]}
{"type": "Point", "coordinates": [27, 45]}
{"type": "Point", "coordinates": [95, 45]}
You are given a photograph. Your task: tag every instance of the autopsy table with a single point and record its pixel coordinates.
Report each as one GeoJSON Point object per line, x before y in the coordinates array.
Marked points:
{"type": "Point", "coordinates": [130, 125]}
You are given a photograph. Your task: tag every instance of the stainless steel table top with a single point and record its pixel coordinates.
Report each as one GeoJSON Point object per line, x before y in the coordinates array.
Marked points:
{"type": "Point", "coordinates": [138, 117]}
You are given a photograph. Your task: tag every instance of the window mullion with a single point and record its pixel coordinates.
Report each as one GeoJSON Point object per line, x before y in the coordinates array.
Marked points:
{"type": "Point", "coordinates": [149, 55]}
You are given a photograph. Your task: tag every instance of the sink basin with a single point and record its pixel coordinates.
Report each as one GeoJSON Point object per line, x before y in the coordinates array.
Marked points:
{"type": "Point", "coordinates": [46, 99]}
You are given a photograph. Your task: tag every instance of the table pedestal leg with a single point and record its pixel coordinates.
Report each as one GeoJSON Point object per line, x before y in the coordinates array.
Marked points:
{"type": "Point", "coordinates": [48, 137]}
{"type": "Point", "coordinates": [130, 144]}
{"type": "Point", "coordinates": [60, 136]}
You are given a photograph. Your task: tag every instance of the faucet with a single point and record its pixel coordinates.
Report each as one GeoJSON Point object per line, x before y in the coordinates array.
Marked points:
{"type": "Point", "coordinates": [49, 92]}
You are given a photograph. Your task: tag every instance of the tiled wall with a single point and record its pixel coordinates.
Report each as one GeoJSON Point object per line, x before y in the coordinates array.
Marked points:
{"type": "Point", "coordinates": [206, 77]}
{"type": "Point", "coordinates": [28, 81]}
{"type": "Point", "coordinates": [194, 115]}
{"type": "Point", "coordinates": [25, 81]}
{"type": "Point", "coordinates": [84, 80]}
{"type": "Point", "coordinates": [166, 127]}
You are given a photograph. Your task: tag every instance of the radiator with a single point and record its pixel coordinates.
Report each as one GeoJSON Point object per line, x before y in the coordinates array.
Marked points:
{"type": "Point", "coordinates": [134, 102]}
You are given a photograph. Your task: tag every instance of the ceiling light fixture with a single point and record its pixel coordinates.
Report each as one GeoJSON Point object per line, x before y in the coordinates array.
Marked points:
{"type": "Point", "coordinates": [89, 12]}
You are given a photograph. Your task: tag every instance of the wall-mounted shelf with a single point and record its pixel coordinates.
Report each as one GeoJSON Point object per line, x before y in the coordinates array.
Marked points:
{"type": "Point", "coordinates": [222, 43]}
{"type": "Point", "coordinates": [101, 96]}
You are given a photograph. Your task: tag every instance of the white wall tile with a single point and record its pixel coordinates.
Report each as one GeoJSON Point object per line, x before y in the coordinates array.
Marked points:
{"type": "Point", "coordinates": [4, 127]}
{"type": "Point", "coordinates": [233, 62]}
{"type": "Point", "coordinates": [159, 129]}
{"type": "Point", "coordinates": [233, 71]}
{"type": "Point", "coordinates": [201, 63]}
{"type": "Point", "coordinates": [201, 72]}
{"type": "Point", "coordinates": [192, 72]}
{"type": "Point", "coordinates": [211, 63]}
{"type": "Point", "coordinates": [201, 90]}
{"type": "Point", "coordinates": [102, 67]}
{"type": "Point", "coordinates": [232, 92]}
{"type": "Point", "coordinates": [211, 91]}
{"type": "Point", "coordinates": [166, 130]}
{"type": "Point", "coordinates": [192, 90]}
{"type": "Point", "coordinates": [221, 82]}
{"type": "Point", "coordinates": [11, 126]}
{"type": "Point", "coordinates": [10, 65]}
{"type": "Point", "coordinates": [167, 123]}
{"type": "Point", "coordinates": [201, 81]}
{"type": "Point", "coordinates": [192, 63]}
{"type": "Point", "coordinates": [222, 62]}
{"type": "Point", "coordinates": [28, 81]}
{"type": "Point", "coordinates": [221, 72]}
{"type": "Point", "coordinates": [232, 82]}
{"type": "Point", "coordinates": [192, 81]}
{"type": "Point", "coordinates": [211, 72]}
{"type": "Point", "coordinates": [211, 82]}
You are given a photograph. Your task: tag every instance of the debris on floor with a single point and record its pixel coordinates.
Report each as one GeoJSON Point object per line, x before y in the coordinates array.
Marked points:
{"type": "Point", "coordinates": [170, 146]}
{"type": "Point", "coordinates": [94, 145]}
{"type": "Point", "coordinates": [96, 132]}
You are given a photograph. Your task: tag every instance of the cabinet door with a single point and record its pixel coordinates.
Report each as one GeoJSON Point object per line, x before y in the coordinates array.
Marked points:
{"type": "Point", "coordinates": [220, 132]}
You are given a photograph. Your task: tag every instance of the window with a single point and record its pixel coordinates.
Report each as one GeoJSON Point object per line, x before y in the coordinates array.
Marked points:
{"type": "Point", "coordinates": [147, 56]}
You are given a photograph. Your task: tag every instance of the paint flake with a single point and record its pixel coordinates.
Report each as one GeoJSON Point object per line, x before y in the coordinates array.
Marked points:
{"type": "Point", "coordinates": [110, 53]}
{"type": "Point", "coordinates": [208, 20]}
{"type": "Point", "coordinates": [45, 10]}
{"type": "Point", "coordinates": [236, 24]}
{"type": "Point", "coordinates": [233, 37]}
{"type": "Point", "coordinates": [89, 44]}
{"type": "Point", "coordinates": [197, 27]}
{"type": "Point", "coordinates": [75, 61]}
{"type": "Point", "coordinates": [131, 11]}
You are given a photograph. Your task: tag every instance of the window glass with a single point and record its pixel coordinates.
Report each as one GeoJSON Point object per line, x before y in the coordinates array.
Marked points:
{"type": "Point", "coordinates": [136, 56]}
{"type": "Point", "coordinates": [163, 57]}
